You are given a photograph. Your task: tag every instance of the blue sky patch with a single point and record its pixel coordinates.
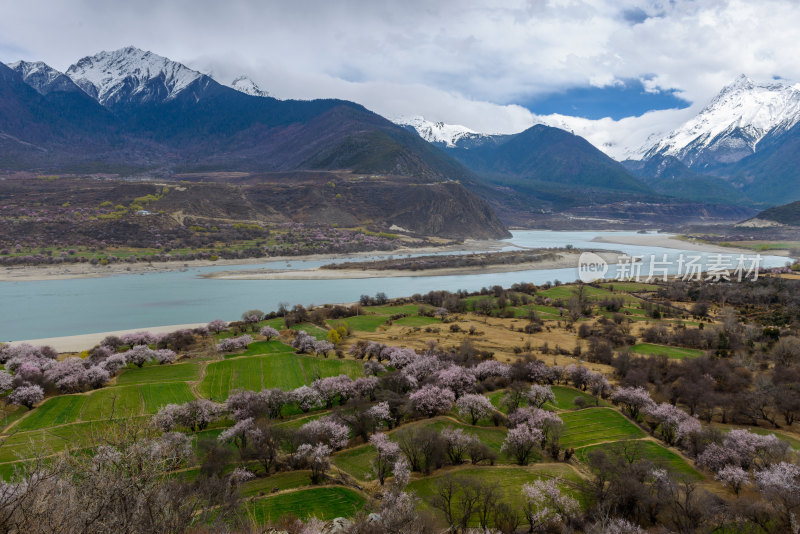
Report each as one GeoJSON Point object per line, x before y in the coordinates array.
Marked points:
{"type": "Point", "coordinates": [618, 101]}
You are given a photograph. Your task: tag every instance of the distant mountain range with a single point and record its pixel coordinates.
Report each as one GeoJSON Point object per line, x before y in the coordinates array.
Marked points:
{"type": "Point", "coordinates": [133, 112]}
{"type": "Point", "coordinates": [743, 148]}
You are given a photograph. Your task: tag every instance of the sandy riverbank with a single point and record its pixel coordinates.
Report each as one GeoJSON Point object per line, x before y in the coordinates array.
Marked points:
{"type": "Point", "coordinates": [86, 341]}
{"type": "Point", "coordinates": [84, 270]}
{"type": "Point", "coordinates": [670, 241]}
{"type": "Point", "coordinates": [565, 261]}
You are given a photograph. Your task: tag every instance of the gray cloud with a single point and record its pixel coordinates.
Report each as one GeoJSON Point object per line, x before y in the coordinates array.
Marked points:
{"type": "Point", "coordinates": [465, 62]}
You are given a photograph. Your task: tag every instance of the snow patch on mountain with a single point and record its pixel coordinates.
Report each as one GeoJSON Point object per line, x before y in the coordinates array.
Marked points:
{"type": "Point", "coordinates": [438, 132]}
{"type": "Point", "coordinates": [131, 73]}
{"type": "Point", "coordinates": [742, 114]}
{"type": "Point", "coordinates": [42, 77]}
{"type": "Point", "coordinates": [247, 86]}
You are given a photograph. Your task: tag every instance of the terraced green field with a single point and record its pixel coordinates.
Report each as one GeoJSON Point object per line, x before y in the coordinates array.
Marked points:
{"type": "Point", "coordinates": [312, 329]}
{"type": "Point", "coordinates": [661, 456]}
{"type": "Point", "coordinates": [409, 309]}
{"type": "Point", "coordinates": [356, 461]}
{"type": "Point", "coordinates": [565, 398]}
{"type": "Point", "coordinates": [276, 482]}
{"type": "Point", "coordinates": [596, 425]}
{"type": "Point", "coordinates": [417, 320]}
{"type": "Point", "coordinates": [364, 323]}
{"type": "Point", "coordinates": [284, 371]}
{"type": "Point", "coordinates": [509, 479]}
{"type": "Point", "coordinates": [678, 353]}
{"type": "Point", "coordinates": [179, 372]}
{"type": "Point", "coordinates": [323, 503]}
{"type": "Point", "coordinates": [101, 404]}
{"type": "Point", "coordinates": [262, 347]}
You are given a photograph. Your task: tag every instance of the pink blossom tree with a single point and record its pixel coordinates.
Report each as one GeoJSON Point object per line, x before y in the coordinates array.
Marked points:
{"type": "Point", "coordinates": [399, 358]}
{"type": "Point", "coordinates": [387, 452]}
{"type": "Point", "coordinates": [306, 398]}
{"type": "Point", "coordinates": [457, 379]}
{"type": "Point", "coordinates": [431, 400]}
{"type": "Point", "coordinates": [327, 431]}
{"type": "Point", "coordinates": [365, 386]}
{"type": "Point", "coordinates": [269, 332]}
{"type": "Point", "coordinates": [26, 396]}
{"type": "Point", "coordinates": [538, 395]}
{"type": "Point", "coordinates": [97, 376]}
{"type": "Point", "coordinates": [317, 458]}
{"type": "Point", "coordinates": [216, 326]}
{"type": "Point", "coordinates": [422, 367]}
{"type": "Point", "coordinates": [333, 387]}
{"type": "Point", "coordinates": [323, 347]}
{"type": "Point", "coordinates": [669, 419]}
{"type": "Point", "coordinates": [114, 363]}
{"type": "Point", "coordinates": [457, 443]}
{"type": "Point", "coordinates": [380, 413]}
{"type": "Point", "coordinates": [303, 342]}
{"type": "Point", "coordinates": [633, 400]}
{"type": "Point", "coordinates": [234, 343]}
{"type": "Point", "coordinates": [491, 368]}
{"type": "Point", "coordinates": [779, 484]}
{"type": "Point", "coordinates": [546, 506]}
{"type": "Point", "coordinates": [521, 442]}
{"type": "Point", "coordinates": [474, 406]}
{"type": "Point", "coordinates": [6, 381]}
{"type": "Point", "coordinates": [734, 477]}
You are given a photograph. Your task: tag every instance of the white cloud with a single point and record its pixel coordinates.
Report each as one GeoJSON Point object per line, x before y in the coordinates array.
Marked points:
{"type": "Point", "coordinates": [467, 62]}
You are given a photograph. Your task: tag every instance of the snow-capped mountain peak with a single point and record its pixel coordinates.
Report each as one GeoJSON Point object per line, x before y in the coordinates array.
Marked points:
{"type": "Point", "coordinates": [247, 86]}
{"type": "Point", "coordinates": [732, 124]}
{"type": "Point", "coordinates": [438, 132]}
{"type": "Point", "coordinates": [42, 77]}
{"type": "Point", "coordinates": [131, 73]}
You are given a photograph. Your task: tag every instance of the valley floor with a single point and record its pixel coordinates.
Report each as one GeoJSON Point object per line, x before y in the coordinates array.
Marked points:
{"type": "Point", "coordinates": [670, 241]}
{"type": "Point", "coordinates": [564, 261]}
{"type": "Point", "coordinates": [32, 273]}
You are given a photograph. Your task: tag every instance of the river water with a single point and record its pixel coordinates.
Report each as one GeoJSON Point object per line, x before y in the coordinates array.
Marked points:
{"type": "Point", "coordinates": [54, 308]}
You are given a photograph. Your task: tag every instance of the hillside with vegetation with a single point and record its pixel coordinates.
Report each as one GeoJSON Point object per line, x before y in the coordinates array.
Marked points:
{"type": "Point", "coordinates": [613, 407]}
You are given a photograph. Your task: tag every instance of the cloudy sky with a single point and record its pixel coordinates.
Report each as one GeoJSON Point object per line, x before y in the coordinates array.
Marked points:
{"type": "Point", "coordinates": [617, 70]}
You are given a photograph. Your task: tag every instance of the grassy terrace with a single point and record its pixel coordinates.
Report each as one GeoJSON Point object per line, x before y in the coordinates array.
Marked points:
{"type": "Point", "coordinates": [671, 352]}
{"type": "Point", "coordinates": [282, 370]}
{"type": "Point", "coordinates": [70, 421]}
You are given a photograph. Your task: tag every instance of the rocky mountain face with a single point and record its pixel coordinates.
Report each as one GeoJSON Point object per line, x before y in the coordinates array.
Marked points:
{"type": "Point", "coordinates": [247, 86]}
{"type": "Point", "coordinates": [130, 111]}
{"type": "Point", "coordinates": [732, 125]}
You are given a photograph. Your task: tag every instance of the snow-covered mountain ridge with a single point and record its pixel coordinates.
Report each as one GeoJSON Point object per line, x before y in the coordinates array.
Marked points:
{"type": "Point", "coordinates": [730, 127]}
{"type": "Point", "coordinates": [131, 74]}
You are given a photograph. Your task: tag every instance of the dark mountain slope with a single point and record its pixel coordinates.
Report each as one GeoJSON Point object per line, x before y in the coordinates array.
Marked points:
{"type": "Point", "coordinates": [669, 176]}
{"type": "Point", "coordinates": [545, 154]}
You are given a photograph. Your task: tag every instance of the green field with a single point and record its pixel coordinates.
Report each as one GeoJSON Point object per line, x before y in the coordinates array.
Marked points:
{"type": "Point", "coordinates": [364, 323]}
{"type": "Point", "coordinates": [312, 329]}
{"type": "Point", "coordinates": [671, 352]}
{"type": "Point", "coordinates": [323, 503]}
{"type": "Point", "coordinates": [417, 320]}
{"type": "Point", "coordinates": [565, 292]}
{"type": "Point", "coordinates": [284, 371]}
{"type": "Point", "coordinates": [121, 401]}
{"type": "Point", "coordinates": [565, 398]}
{"type": "Point", "coordinates": [356, 461]}
{"type": "Point", "coordinates": [262, 347]}
{"type": "Point", "coordinates": [277, 482]}
{"type": "Point", "coordinates": [649, 450]}
{"type": "Point", "coordinates": [408, 309]}
{"type": "Point", "coordinates": [509, 479]}
{"type": "Point", "coordinates": [179, 372]}
{"type": "Point", "coordinates": [630, 286]}
{"type": "Point", "coordinates": [596, 425]}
